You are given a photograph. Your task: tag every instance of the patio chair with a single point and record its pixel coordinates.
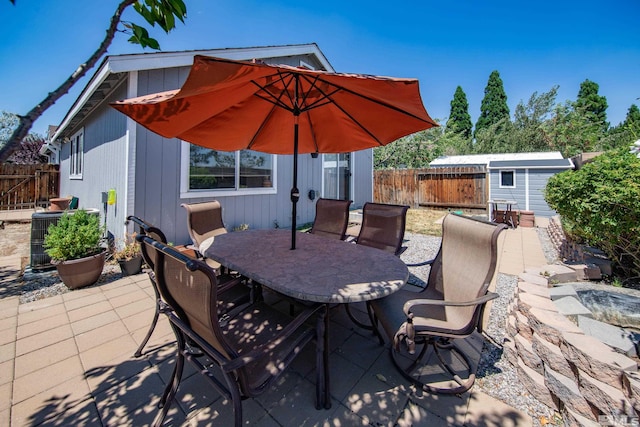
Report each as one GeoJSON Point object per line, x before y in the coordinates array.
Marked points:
{"type": "Point", "coordinates": [383, 227]}
{"type": "Point", "coordinates": [235, 294]}
{"type": "Point", "coordinates": [204, 223]}
{"type": "Point", "coordinates": [332, 218]}
{"type": "Point", "coordinates": [246, 350]}
{"type": "Point", "coordinates": [449, 309]}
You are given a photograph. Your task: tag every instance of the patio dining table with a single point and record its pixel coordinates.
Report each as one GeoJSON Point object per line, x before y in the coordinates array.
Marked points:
{"type": "Point", "coordinates": [319, 270]}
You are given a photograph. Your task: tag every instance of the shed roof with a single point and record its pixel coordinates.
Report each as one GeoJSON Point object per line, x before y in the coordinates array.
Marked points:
{"type": "Point", "coordinates": [532, 164]}
{"type": "Point", "coordinates": [485, 159]}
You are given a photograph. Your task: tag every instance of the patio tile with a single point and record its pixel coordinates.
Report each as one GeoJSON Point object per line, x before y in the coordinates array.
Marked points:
{"type": "Point", "coordinates": [88, 311]}
{"type": "Point", "coordinates": [119, 291]}
{"type": "Point", "coordinates": [8, 307]}
{"type": "Point", "coordinates": [43, 339]}
{"type": "Point", "coordinates": [280, 390]}
{"type": "Point", "coordinates": [7, 352]}
{"type": "Point", "coordinates": [165, 369]}
{"type": "Point", "coordinates": [80, 293]}
{"type": "Point", "coordinates": [43, 357]}
{"type": "Point", "coordinates": [66, 404]}
{"type": "Point", "coordinates": [137, 321]}
{"type": "Point", "coordinates": [363, 351]}
{"type": "Point", "coordinates": [484, 410]}
{"type": "Point", "coordinates": [41, 314]}
{"type": "Point", "coordinates": [8, 324]}
{"type": "Point", "coordinates": [8, 336]}
{"type": "Point", "coordinates": [98, 336]}
{"type": "Point", "coordinates": [194, 392]}
{"type": "Point", "coordinates": [114, 372]}
{"type": "Point", "coordinates": [5, 397]}
{"type": "Point", "coordinates": [136, 307]}
{"type": "Point", "coordinates": [6, 372]}
{"type": "Point", "coordinates": [84, 301]}
{"type": "Point", "coordinates": [40, 304]}
{"type": "Point", "coordinates": [123, 281]}
{"type": "Point", "coordinates": [94, 322]}
{"type": "Point", "coordinates": [131, 402]}
{"type": "Point", "coordinates": [343, 376]}
{"type": "Point", "coordinates": [297, 408]}
{"type": "Point", "coordinates": [41, 325]}
{"type": "Point", "coordinates": [221, 413]}
{"type": "Point", "coordinates": [43, 379]}
{"type": "Point", "coordinates": [136, 295]}
{"type": "Point", "coordinates": [5, 417]}
{"type": "Point", "coordinates": [450, 408]}
{"type": "Point", "coordinates": [380, 395]}
{"type": "Point", "coordinates": [108, 351]}
{"type": "Point", "coordinates": [414, 415]}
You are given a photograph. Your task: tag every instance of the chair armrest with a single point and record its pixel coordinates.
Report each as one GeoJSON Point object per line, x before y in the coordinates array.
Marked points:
{"type": "Point", "coordinates": [420, 264]}
{"type": "Point", "coordinates": [225, 286]}
{"type": "Point", "coordinates": [478, 301]}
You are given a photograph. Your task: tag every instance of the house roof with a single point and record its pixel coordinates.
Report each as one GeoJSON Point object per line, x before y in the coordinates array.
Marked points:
{"type": "Point", "coordinates": [485, 159]}
{"type": "Point", "coordinates": [114, 68]}
{"type": "Point", "coordinates": [531, 164]}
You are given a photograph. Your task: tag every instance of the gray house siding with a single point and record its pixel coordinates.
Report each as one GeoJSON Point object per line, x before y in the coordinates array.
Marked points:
{"type": "Point", "coordinates": [145, 169]}
{"type": "Point", "coordinates": [104, 164]}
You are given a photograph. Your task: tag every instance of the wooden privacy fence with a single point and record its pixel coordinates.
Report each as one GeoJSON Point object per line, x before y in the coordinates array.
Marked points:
{"type": "Point", "coordinates": [27, 186]}
{"type": "Point", "coordinates": [447, 187]}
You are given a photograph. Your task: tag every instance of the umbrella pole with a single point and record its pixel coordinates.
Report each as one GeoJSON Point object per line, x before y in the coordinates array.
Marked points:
{"type": "Point", "coordinates": [295, 193]}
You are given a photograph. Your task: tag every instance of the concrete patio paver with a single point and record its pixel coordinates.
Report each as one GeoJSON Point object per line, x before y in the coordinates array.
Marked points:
{"type": "Point", "coordinates": [68, 360]}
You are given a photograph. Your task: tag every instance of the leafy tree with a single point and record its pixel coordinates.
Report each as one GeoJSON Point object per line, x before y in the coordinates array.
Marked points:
{"type": "Point", "coordinates": [161, 12]}
{"type": "Point", "coordinates": [495, 138]}
{"type": "Point", "coordinates": [627, 132]}
{"type": "Point", "coordinates": [459, 118]}
{"type": "Point", "coordinates": [528, 133]}
{"type": "Point", "coordinates": [571, 132]}
{"type": "Point", "coordinates": [599, 205]}
{"type": "Point", "coordinates": [593, 105]}
{"type": "Point", "coordinates": [494, 106]}
{"type": "Point", "coordinates": [412, 151]}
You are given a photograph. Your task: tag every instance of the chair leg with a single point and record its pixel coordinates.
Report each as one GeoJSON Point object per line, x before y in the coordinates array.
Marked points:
{"type": "Point", "coordinates": [411, 371]}
{"type": "Point", "coordinates": [172, 386]}
{"type": "Point", "coordinates": [138, 352]}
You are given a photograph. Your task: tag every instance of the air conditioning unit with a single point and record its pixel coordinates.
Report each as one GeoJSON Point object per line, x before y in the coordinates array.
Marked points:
{"type": "Point", "coordinates": [40, 222]}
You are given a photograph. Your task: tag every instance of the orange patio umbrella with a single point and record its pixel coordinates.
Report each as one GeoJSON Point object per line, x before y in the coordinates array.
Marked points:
{"type": "Point", "coordinates": [239, 105]}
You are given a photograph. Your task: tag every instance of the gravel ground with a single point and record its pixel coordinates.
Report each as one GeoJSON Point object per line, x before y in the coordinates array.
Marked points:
{"type": "Point", "coordinates": [496, 377]}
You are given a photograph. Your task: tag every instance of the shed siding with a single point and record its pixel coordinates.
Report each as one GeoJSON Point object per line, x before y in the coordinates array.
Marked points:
{"type": "Point", "coordinates": [537, 181]}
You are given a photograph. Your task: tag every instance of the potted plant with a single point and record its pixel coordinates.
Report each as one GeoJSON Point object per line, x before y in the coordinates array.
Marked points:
{"type": "Point", "coordinates": [74, 247]}
{"type": "Point", "coordinates": [129, 256]}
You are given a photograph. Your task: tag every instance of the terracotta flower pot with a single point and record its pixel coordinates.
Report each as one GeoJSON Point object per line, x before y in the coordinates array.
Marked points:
{"type": "Point", "coordinates": [81, 272]}
{"type": "Point", "coordinates": [59, 204]}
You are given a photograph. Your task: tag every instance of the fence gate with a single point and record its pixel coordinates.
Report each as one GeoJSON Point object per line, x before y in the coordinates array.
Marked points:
{"type": "Point", "coordinates": [27, 186]}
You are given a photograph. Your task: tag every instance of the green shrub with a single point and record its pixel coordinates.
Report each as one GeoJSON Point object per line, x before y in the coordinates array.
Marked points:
{"type": "Point", "coordinates": [76, 235]}
{"type": "Point", "coordinates": [600, 205]}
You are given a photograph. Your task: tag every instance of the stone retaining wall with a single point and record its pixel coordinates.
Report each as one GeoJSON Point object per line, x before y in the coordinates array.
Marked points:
{"type": "Point", "coordinates": [562, 366]}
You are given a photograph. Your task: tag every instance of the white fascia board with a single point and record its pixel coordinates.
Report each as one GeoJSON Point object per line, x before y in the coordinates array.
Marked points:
{"type": "Point", "coordinates": [95, 82]}
{"type": "Point", "coordinates": [153, 61]}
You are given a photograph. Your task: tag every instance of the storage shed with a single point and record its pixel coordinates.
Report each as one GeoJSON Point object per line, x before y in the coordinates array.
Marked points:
{"type": "Point", "coordinates": [519, 177]}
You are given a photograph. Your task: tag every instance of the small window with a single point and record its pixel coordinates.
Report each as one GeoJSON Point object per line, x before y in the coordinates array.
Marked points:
{"type": "Point", "coordinates": [507, 179]}
{"type": "Point", "coordinates": [76, 158]}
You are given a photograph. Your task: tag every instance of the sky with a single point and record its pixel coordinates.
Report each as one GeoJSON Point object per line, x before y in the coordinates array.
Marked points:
{"type": "Point", "coordinates": [533, 45]}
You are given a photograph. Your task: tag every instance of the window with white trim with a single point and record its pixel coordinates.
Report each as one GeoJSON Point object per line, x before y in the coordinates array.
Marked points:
{"type": "Point", "coordinates": [76, 157]}
{"type": "Point", "coordinates": [222, 172]}
{"type": "Point", "coordinates": [507, 179]}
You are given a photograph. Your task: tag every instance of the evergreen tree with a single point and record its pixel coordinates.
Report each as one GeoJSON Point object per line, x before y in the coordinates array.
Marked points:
{"type": "Point", "coordinates": [592, 105]}
{"type": "Point", "coordinates": [632, 121]}
{"type": "Point", "coordinates": [459, 118]}
{"type": "Point", "coordinates": [494, 104]}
